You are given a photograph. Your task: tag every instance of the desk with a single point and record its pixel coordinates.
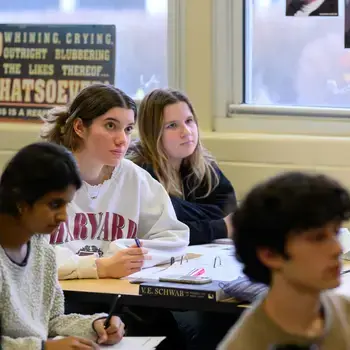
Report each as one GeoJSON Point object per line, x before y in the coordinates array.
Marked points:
{"type": "Point", "coordinates": [104, 286]}
{"type": "Point", "coordinates": [91, 290]}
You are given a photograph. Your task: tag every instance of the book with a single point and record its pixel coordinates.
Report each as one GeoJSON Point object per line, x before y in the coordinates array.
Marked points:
{"type": "Point", "coordinates": [211, 292]}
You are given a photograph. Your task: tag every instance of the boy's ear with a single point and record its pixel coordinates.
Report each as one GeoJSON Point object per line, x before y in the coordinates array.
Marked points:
{"type": "Point", "coordinates": [270, 258]}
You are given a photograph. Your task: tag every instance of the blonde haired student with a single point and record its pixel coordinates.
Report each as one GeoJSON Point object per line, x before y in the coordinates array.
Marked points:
{"type": "Point", "coordinates": [170, 149]}
{"type": "Point", "coordinates": [118, 200]}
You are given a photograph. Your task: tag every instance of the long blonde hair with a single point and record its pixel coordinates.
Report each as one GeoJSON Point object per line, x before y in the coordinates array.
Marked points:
{"type": "Point", "coordinates": [149, 149]}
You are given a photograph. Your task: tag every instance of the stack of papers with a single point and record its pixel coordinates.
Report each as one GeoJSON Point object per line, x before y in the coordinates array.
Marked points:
{"type": "Point", "coordinates": [226, 268]}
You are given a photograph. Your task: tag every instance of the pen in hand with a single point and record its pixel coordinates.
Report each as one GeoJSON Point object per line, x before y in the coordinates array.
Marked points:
{"type": "Point", "coordinates": [137, 241]}
{"type": "Point", "coordinates": [112, 310]}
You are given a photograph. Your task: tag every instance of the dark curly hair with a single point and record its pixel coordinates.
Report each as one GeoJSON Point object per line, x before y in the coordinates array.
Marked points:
{"type": "Point", "coordinates": [288, 203]}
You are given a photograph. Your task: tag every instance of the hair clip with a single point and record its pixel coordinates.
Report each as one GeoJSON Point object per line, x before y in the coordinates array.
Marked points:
{"type": "Point", "coordinates": [182, 259]}
{"type": "Point", "coordinates": [70, 118]}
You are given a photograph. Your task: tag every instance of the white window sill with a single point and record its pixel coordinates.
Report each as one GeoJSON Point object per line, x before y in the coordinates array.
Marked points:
{"type": "Point", "coordinates": [285, 120]}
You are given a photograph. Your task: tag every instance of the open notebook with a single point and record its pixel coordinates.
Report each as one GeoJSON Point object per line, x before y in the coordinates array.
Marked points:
{"type": "Point", "coordinates": [217, 261]}
{"type": "Point", "coordinates": [134, 343]}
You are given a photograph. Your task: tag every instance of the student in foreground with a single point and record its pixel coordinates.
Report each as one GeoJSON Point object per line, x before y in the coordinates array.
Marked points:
{"type": "Point", "coordinates": [35, 188]}
{"type": "Point", "coordinates": [286, 236]}
{"type": "Point", "coordinates": [118, 200]}
{"type": "Point", "coordinates": [170, 149]}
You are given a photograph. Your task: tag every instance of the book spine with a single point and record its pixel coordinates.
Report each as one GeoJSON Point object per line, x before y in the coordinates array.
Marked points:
{"type": "Point", "coordinates": [178, 293]}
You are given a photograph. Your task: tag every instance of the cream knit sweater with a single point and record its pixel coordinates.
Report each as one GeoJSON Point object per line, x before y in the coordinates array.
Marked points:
{"type": "Point", "coordinates": [32, 302]}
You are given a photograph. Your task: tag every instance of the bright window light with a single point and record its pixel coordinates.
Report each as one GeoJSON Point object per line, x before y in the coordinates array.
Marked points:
{"type": "Point", "coordinates": [156, 6]}
{"type": "Point", "coordinates": [68, 6]}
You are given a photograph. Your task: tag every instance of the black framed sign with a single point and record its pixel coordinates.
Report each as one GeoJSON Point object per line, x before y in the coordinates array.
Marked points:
{"type": "Point", "coordinates": [305, 8]}
{"type": "Point", "coordinates": [42, 66]}
{"type": "Point", "coordinates": [347, 25]}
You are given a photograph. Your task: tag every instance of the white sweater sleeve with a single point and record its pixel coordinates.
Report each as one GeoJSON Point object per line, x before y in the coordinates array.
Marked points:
{"type": "Point", "coordinates": [25, 343]}
{"type": "Point", "coordinates": [72, 324]}
{"type": "Point", "coordinates": [158, 221]}
{"type": "Point", "coordinates": [73, 266]}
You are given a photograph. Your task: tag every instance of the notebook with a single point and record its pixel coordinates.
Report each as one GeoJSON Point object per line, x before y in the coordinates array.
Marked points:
{"type": "Point", "coordinates": [217, 261]}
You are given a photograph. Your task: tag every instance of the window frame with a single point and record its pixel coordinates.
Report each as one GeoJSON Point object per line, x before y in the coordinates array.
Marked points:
{"type": "Point", "coordinates": [176, 45]}
{"type": "Point", "coordinates": [230, 112]}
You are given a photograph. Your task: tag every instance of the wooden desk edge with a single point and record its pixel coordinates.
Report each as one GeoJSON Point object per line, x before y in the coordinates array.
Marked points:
{"type": "Point", "coordinates": [103, 286]}
{"type": "Point", "coordinates": [115, 286]}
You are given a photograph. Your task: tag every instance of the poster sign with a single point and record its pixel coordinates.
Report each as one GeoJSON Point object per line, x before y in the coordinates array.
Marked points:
{"type": "Point", "coordinates": [304, 8]}
{"type": "Point", "coordinates": [347, 24]}
{"type": "Point", "coordinates": [42, 66]}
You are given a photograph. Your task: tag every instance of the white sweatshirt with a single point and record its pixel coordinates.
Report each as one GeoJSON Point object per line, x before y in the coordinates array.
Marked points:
{"type": "Point", "coordinates": [105, 218]}
{"type": "Point", "coordinates": [32, 302]}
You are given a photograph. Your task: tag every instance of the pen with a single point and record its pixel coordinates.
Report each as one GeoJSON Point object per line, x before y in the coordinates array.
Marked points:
{"type": "Point", "coordinates": [112, 310]}
{"type": "Point", "coordinates": [137, 241]}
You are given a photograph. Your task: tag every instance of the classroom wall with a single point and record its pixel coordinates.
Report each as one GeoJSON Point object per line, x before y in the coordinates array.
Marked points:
{"type": "Point", "coordinates": [245, 158]}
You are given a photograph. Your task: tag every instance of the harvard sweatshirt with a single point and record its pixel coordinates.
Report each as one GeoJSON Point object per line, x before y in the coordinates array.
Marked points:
{"type": "Point", "coordinates": [105, 218]}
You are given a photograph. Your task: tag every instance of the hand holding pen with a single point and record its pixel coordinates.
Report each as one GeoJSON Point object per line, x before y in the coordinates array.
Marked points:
{"type": "Point", "coordinates": [110, 330]}
{"type": "Point", "coordinates": [123, 263]}
{"type": "Point", "coordinates": [137, 242]}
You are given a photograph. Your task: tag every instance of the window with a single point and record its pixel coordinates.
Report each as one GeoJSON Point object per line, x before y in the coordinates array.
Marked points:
{"type": "Point", "coordinates": [278, 74]}
{"type": "Point", "coordinates": [112, 4]}
{"type": "Point", "coordinates": [11, 6]}
{"type": "Point", "coordinates": [142, 35]}
{"type": "Point", "coordinates": [294, 61]}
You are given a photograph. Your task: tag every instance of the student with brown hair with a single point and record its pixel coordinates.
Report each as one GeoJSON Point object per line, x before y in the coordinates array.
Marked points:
{"type": "Point", "coordinates": [171, 150]}
{"type": "Point", "coordinates": [117, 202]}
{"type": "Point", "coordinates": [113, 205]}
{"type": "Point", "coordinates": [287, 237]}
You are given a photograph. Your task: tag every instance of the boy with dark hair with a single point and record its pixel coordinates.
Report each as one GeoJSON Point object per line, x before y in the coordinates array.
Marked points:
{"type": "Point", "coordinates": [286, 236]}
